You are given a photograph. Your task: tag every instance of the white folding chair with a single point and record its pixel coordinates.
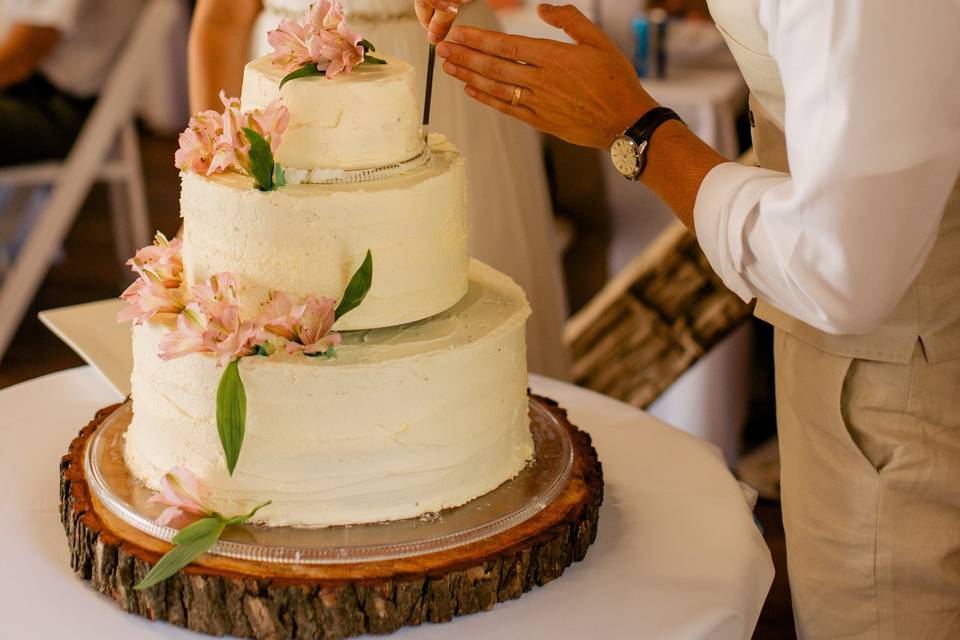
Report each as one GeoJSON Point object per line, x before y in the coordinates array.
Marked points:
{"type": "Point", "coordinates": [106, 150]}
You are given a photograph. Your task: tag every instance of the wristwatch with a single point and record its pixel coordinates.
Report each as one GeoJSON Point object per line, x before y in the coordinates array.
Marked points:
{"type": "Point", "coordinates": [629, 150]}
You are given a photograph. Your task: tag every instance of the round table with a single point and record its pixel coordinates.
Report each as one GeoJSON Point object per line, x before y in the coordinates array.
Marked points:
{"type": "Point", "coordinates": [677, 555]}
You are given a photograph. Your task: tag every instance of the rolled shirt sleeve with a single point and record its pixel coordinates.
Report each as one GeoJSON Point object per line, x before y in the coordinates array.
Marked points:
{"type": "Point", "coordinates": [872, 124]}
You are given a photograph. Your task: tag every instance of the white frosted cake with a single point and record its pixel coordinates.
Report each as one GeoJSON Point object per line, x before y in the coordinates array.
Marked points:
{"type": "Point", "coordinates": [403, 421]}
{"type": "Point", "coordinates": [412, 402]}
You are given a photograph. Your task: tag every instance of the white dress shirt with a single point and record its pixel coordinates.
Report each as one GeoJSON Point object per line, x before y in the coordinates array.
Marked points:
{"type": "Point", "coordinates": [872, 123]}
{"type": "Point", "coordinates": [92, 32]}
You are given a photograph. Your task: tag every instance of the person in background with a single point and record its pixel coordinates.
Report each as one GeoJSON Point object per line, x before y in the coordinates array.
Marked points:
{"type": "Point", "coordinates": [848, 235]}
{"type": "Point", "coordinates": [54, 57]}
{"type": "Point", "coordinates": [508, 202]}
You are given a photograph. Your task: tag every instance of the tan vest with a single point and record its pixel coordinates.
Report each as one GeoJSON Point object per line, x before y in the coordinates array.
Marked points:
{"type": "Point", "coordinates": [930, 310]}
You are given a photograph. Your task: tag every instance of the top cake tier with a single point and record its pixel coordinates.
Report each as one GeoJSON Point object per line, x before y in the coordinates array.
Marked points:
{"type": "Point", "coordinates": [361, 120]}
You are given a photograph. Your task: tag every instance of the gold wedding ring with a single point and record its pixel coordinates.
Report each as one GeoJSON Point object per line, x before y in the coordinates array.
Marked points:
{"type": "Point", "coordinates": [517, 92]}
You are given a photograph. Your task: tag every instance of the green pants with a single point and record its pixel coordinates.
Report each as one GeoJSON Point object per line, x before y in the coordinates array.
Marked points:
{"type": "Point", "coordinates": [38, 121]}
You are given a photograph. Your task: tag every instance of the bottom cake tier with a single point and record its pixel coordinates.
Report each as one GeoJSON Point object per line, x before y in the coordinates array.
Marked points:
{"type": "Point", "coordinates": [403, 421]}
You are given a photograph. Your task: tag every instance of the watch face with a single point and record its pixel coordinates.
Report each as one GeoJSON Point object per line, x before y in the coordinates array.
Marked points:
{"type": "Point", "coordinates": [625, 157]}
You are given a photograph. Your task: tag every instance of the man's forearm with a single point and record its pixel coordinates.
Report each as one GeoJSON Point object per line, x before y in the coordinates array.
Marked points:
{"type": "Point", "coordinates": [23, 50]}
{"type": "Point", "coordinates": [677, 162]}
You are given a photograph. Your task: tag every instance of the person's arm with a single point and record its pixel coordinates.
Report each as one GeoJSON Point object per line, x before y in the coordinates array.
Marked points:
{"type": "Point", "coordinates": [873, 136]}
{"type": "Point", "coordinates": [873, 140]}
{"type": "Point", "coordinates": [585, 93]}
{"type": "Point", "coordinates": [218, 49]}
{"type": "Point", "coordinates": [23, 50]}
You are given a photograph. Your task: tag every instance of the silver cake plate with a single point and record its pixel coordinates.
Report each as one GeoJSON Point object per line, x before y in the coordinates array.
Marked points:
{"type": "Point", "coordinates": [512, 503]}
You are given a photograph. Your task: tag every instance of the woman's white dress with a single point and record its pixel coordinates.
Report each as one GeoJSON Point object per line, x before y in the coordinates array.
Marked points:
{"type": "Point", "coordinates": [508, 204]}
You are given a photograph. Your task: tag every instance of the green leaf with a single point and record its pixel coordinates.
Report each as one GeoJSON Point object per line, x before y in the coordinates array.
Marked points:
{"type": "Point", "coordinates": [241, 519]}
{"type": "Point", "coordinates": [191, 543]}
{"type": "Point", "coordinates": [261, 160]}
{"type": "Point", "coordinates": [199, 529]}
{"type": "Point", "coordinates": [306, 71]}
{"type": "Point", "coordinates": [369, 59]}
{"type": "Point", "coordinates": [357, 289]}
{"type": "Point", "coordinates": [279, 177]}
{"type": "Point", "coordinates": [367, 46]}
{"type": "Point", "coordinates": [231, 413]}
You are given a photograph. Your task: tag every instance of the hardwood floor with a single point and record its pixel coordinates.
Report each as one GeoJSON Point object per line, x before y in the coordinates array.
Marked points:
{"type": "Point", "coordinates": [89, 269]}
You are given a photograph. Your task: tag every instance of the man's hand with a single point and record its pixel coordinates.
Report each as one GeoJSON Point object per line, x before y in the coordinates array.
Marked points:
{"type": "Point", "coordinates": [586, 93]}
{"type": "Point", "coordinates": [437, 17]}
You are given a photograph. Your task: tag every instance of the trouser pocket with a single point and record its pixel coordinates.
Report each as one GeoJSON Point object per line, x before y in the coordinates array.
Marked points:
{"type": "Point", "coordinates": [873, 401]}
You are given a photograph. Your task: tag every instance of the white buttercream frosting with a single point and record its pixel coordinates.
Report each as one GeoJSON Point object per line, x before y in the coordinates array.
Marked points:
{"type": "Point", "coordinates": [403, 421]}
{"type": "Point", "coordinates": [360, 120]}
{"type": "Point", "coordinates": [309, 239]}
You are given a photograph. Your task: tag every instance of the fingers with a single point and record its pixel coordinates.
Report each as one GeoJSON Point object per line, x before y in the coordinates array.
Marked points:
{"type": "Point", "coordinates": [574, 24]}
{"type": "Point", "coordinates": [424, 12]}
{"type": "Point", "coordinates": [440, 26]}
{"type": "Point", "coordinates": [437, 17]}
{"type": "Point", "coordinates": [488, 65]}
{"type": "Point", "coordinates": [500, 90]}
{"type": "Point", "coordinates": [519, 112]}
{"type": "Point", "coordinates": [531, 50]}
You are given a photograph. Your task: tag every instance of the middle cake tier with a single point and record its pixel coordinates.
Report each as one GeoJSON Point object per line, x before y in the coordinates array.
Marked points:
{"type": "Point", "coordinates": [310, 238]}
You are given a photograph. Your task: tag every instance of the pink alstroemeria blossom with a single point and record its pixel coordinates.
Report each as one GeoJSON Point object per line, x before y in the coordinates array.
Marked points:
{"type": "Point", "coordinates": [312, 333]}
{"type": "Point", "coordinates": [183, 493]}
{"type": "Point", "coordinates": [212, 324]}
{"type": "Point", "coordinates": [215, 142]}
{"type": "Point", "coordinates": [229, 338]}
{"type": "Point", "coordinates": [198, 142]}
{"type": "Point", "coordinates": [189, 334]}
{"type": "Point", "coordinates": [290, 44]}
{"type": "Point", "coordinates": [231, 150]}
{"type": "Point", "coordinates": [217, 292]}
{"type": "Point", "coordinates": [162, 258]}
{"type": "Point", "coordinates": [158, 289]}
{"type": "Point", "coordinates": [322, 37]}
{"type": "Point", "coordinates": [279, 315]}
{"type": "Point", "coordinates": [147, 297]}
{"type": "Point", "coordinates": [270, 122]}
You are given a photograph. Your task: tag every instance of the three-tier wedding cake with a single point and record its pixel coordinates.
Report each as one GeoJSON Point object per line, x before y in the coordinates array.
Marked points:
{"type": "Point", "coordinates": [320, 339]}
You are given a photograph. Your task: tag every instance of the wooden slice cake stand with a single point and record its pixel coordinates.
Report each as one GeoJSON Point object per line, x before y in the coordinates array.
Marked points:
{"type": "Point", "coordinates": [224, 596]}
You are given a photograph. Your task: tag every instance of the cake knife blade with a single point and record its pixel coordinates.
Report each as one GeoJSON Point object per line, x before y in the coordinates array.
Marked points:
{"type": "Point", "coordinates": [428, 96]}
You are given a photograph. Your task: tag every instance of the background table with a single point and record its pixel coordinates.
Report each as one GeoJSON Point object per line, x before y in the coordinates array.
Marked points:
{"type": "Point", "coordinates": [678, 555]}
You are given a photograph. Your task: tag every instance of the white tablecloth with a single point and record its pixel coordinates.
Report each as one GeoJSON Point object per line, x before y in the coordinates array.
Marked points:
{"type": "Point", "coordinates": [677, 556]}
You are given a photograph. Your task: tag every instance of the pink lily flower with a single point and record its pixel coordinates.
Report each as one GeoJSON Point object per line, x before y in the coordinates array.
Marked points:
{"type": "Point", "coordinates": [228, 338]}
{"type": "Point", "coordinates": [197, 142]}
{"type": "Point", "coordinates": [162, 258]}
{"type": "Point", "coordinates": [279, 315]}
{"type": "Point", "coordinates": [342, 54]}
{"type": "Point", "coordinates": [312, 333]}
{"type": "Point", "coordinates": [159, 288]}
{"type": "Point", "coordinates": [216, 293]}
{"type": "Point", "coordinates": [183, 493]}
{"type": "Point", "coordinates": [289, 41]}
{"type": "Point", "coordinates": [148, 297]}
{"type": "Point", "coordinates": [188, 336]}
{"type": "Point", "coordinates": [322, 37]}
{"type": "Point", "coordinates": [270, 122]}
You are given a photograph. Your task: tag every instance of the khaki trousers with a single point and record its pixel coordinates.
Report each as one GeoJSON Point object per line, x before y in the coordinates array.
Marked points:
{"type": "Point", "coordinates": [870, 455]}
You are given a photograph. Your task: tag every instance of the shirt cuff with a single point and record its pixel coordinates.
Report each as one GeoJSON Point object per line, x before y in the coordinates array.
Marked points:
{"type": "Point", "coordinates": [728, 198]}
